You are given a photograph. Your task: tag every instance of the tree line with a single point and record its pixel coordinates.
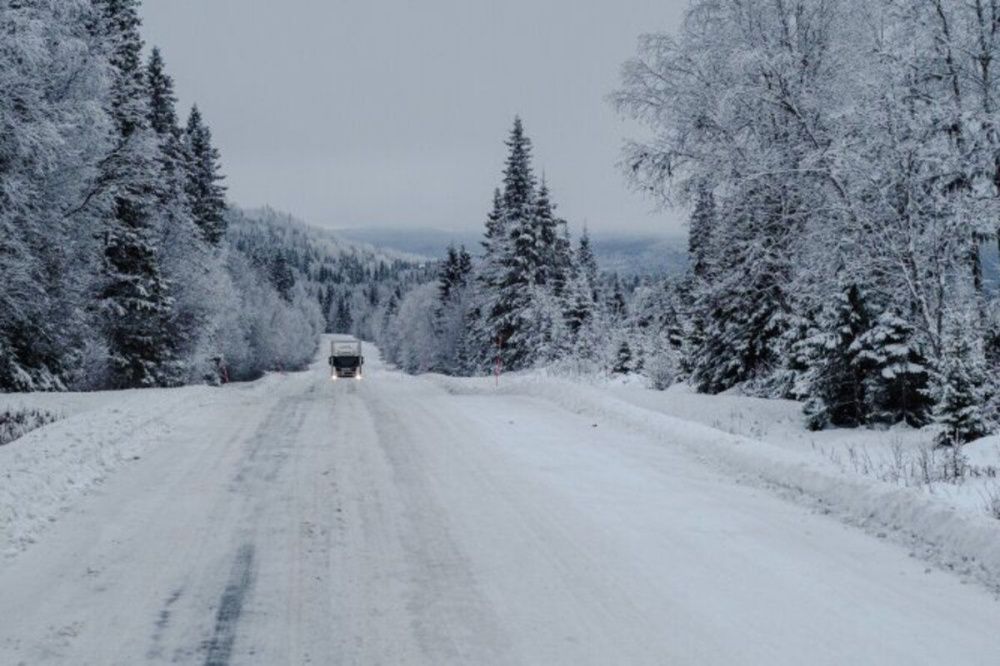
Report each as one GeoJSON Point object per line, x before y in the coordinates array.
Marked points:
{"type": "Point", "coordinates": [531, 296]}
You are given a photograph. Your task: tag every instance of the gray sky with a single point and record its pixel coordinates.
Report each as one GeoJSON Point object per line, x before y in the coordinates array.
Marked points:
{"type": "Point", "coordinates": [375, 113]}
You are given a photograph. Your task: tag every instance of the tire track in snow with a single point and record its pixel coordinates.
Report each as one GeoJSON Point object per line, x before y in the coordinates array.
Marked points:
{"type": "Point", "coordinates": [219, 648]}
{"type": "Point", "coordinates": [162, 622]}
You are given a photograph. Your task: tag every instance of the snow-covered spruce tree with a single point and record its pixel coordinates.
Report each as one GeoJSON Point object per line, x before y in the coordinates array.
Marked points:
{"type": "Point", "coordinates": [193, 271]}
{"type": "Point", "coordinates": [451, 311]}
{"type": "Point", "coordinates": [623, 362]}
{"type": "Point", "coordinates": [836, 381]}
{"type": "Point", "coordinates": [586, 263]}
{"type": "Point", "coordinates": [453, 273]}
{"type": "Point", "coordinates": [660, 330]}
{"type": "Point", "coordinates": [580, 311]}
{"type": "Point", "coordinates": [564, 259]}
{"type": "Point", "coordinates": [134, 296]}
{"type": "Point", "coordinates": [896, 372]}
{"type": "Point", "coordinates": [205, 189]}
{"type": "Point", "coordinates": [552, 266]}
{"type": "Point", "coordinates": [523, 261]}
{"type": "Point", "coordinates": [512, 259]}
{"type": "Point", "coordinates": [282, 277]}
{"type": "Point", "coordinates": [517, 304]}
{"type": "Point", "coordinates": [700, 231]}
{"type": "Point", "coordinates": [482, 337]}
{"type": "Point", "coordinates": [343, 322]}
{"type": "Point", "coordinates": [615, 304]}
{"type": "Point", "coordinates": [960, 384]}
{"type": "Point", "coordinates": [744, 307]}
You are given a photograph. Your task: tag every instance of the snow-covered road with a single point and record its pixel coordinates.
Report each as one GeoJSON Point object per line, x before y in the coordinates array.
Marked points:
{"type": "Point", "coordinates": [389, 521]}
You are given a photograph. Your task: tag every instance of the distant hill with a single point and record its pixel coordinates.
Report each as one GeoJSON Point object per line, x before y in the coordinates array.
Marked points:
{"type": "Point", "coordinates": [625, 254]}
{"type": "Point", "coordinates": [427, 243]}
{"type": "Point", "coordinates": [332, 243]}
{"type": "Point", "coordinates": [641, 254]}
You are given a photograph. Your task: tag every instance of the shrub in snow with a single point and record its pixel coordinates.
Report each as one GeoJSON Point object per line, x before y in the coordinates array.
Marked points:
{"type": "Point", "coordinates": [17, 423]}
{"type": "Point", "coordinates": [663, 370]}
{"type": "Point", "coordinates": [93, 371]}
{"type": "Point", "coordinates": [991, 501]}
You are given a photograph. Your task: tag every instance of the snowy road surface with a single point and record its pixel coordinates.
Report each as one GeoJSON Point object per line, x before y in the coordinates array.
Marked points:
{"type": "Point", "coordinates": [301, 521]}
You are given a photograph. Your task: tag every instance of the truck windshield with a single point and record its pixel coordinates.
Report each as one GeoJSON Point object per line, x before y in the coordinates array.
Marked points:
{"type": "Point", "coordinates": [345, 361]}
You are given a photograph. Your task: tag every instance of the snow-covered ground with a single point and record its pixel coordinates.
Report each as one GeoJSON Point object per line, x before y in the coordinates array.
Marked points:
{"type": "Point", "coordinates": [895, 455]}
{"type": "Point", "coordinates": [901, 456]}
{"type": "Point", "coordinates": [426, 520]}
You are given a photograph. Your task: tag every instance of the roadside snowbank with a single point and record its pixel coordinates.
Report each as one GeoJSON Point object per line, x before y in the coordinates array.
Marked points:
{"type": "Point", "coordinates": [43, 473]}
{"type": "Point", "coordinates": [964, 541]}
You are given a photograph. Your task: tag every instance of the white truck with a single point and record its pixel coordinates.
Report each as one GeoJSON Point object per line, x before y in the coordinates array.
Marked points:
{"type": "Point", "coordinates": [345, 357]}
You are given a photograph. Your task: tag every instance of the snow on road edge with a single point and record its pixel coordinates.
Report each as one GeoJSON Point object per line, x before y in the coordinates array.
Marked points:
{"type": "Point", "coordinates": [45, 473]}
{"type": "Point", "coordinates": [962, 542]}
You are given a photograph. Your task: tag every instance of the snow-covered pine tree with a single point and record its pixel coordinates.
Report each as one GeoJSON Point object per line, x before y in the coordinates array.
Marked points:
{"type": "Point", "coordinates": [896, 372]}
{"type": "Point", "coordinates": [837, 383]}
{"type": "Point", "coordinates": [700, 232]}
{"type": "Point", "coordinates": [586, 263]}
{"type": "Point", "coordinates": [343, 321]}
{"type": "Point", "coordinates": [623, 361]}
{"type": "Point", "coordinates": [744, 307]}
{"type": "Point", "coordinates": [205, 189]}
{"type": "Point", "coordinates": [580, 317]}
{"type": "Point", "coordinates": [482, 336]}
{"type": "Point", "coordinates": [508, 319]}
{"type": "Point", "coordinates": [616, 306]}
{"type": "Point", "coordinates": [563, 259]}
{"type": "Point", "coordinates": [699, 278]}
{"type": "Point", "coordinates": [162, 101]}
{"type": "Point", "coordinates": [193, 271]}
{"type": "Point", "coordinates": [550, 269]}
{"type": "Point", "coordinates": [134, 295]}
{"type": "Point", "coordinates": [450, 275]}
{"type": "Point", "coordinates": [172, 199]}
{"type": "Point", "coordinates": [282, 276]}
{"type": "Point", "coordinates": [451, 310]}
{"type": "Point", "coordinates": [960, 384]}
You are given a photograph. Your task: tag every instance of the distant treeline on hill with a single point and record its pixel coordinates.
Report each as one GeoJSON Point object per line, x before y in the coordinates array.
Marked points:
{"type": "Point", "coordinates": [627, 254]}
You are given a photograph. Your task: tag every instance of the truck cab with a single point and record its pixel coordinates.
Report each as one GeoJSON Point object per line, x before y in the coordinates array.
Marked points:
{"type": "Point", "coordinates": [346, 359]}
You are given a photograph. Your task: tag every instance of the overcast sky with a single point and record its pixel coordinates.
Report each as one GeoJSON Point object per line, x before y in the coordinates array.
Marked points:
{"type": "Point", "coordinates": [392, 113]}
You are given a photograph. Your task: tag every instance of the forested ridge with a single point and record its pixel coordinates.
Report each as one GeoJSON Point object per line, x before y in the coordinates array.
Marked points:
{"type": "Point", "coordinates": [121, 262]}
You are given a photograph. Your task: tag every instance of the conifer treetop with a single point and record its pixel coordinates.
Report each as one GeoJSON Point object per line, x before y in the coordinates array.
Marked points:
{"type": "Point", "coordinates": [519, 180]}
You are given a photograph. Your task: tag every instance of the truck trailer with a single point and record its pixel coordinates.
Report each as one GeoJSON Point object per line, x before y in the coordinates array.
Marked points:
{"type": "Point", "coordinates": [346, 358]}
